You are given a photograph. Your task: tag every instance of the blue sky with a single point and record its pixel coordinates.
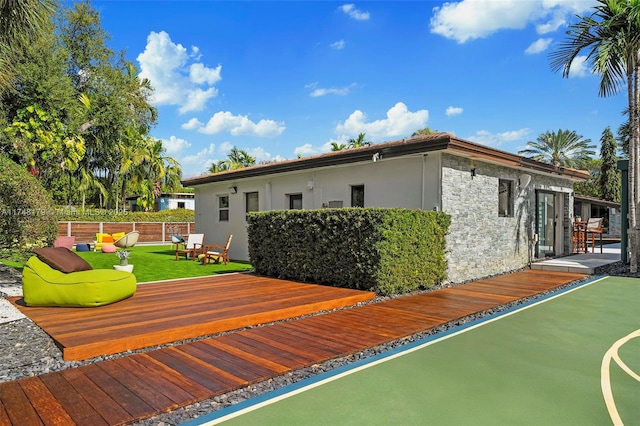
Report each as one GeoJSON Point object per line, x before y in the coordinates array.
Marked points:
{"type": "Point", "coordinates": [288, 78]}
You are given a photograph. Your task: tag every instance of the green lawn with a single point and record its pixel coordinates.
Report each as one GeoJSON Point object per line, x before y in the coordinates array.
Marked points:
{"type": "Point", "coordinates": [155, 263]}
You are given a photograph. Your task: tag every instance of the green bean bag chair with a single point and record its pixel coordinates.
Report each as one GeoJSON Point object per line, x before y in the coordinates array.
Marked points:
{"type": "Point", "coordinates": [43, 285]}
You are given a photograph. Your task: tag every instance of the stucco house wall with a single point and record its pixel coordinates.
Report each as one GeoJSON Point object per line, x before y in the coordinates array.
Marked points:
{"type": "Point", "coordinates": [480, 243]}
{"type": "Point", "coordinates": [401, 182]}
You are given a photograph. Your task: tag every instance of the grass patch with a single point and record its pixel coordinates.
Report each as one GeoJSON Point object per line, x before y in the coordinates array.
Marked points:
{"type": "Point", "coordinates": [155, 263]}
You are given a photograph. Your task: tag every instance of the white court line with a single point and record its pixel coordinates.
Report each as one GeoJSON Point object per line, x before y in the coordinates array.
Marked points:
{"type": "Point", "coordinates": [605, 375]}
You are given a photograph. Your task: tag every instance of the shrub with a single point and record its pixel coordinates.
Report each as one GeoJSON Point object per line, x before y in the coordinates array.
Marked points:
{"type": "Point", "coordinates": [27, 215]}
{"type": "Point", "coordinates": [112, 215]}
{"type": "Point", "coordinates": [385, 250]}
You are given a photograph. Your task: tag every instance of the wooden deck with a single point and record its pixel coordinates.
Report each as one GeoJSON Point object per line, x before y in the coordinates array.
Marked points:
{"type": "Point", "coordinates": [171, 311]}
{"type": "Point", "coordinates": [142, 385]}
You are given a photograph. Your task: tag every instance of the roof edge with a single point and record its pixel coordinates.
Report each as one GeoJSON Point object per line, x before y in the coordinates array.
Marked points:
{"type": "Point", "coordinates": [398, 148]}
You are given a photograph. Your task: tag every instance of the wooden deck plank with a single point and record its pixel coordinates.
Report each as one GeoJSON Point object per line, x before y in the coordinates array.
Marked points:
{"type": "Point", "coordinates": [139, 385]}
{"type": "Point", "coordinates": [44, 402]}
{"type": "Point", "coordinates": [73, 403]}
{"type": "Point", "coordinates": [192, 391]}
{"type": "Point", "coordinates": [4, 417]}
{"type": "Point", "coordinates": [250, 357]}
{"type": "Point", "coordinates": [266, 335]}
{"type": "Point", "coordinates": [18, 407]}
{"type": "Point", "coordinates": [175, 310]}
{"type": "Point", "coordinates": [240, 368]}
{"type": "Point", "coordinates": [119, 393]}
{"type": "Point", "coordinates": [131, 388]}
{"type": "Point", "coordinates": [208, 376]}
{"type": "Point", "coordinates": [99, 400]}
{"type": "Point", "coordinates": [269, 352]}
{"type": "Point", "coordinates": [326, 326]}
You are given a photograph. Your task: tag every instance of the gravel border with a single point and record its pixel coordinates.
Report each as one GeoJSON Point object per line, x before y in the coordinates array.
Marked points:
{"type": "Point", "coordinates": [26, 350]}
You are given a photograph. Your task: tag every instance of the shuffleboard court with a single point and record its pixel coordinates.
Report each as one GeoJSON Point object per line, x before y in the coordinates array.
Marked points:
{"type": "Point", "coordinates": [573, 358]}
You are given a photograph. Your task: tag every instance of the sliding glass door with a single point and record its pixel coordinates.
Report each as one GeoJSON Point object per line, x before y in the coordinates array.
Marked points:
{"type": "Point", "coordinates": [546, 222]}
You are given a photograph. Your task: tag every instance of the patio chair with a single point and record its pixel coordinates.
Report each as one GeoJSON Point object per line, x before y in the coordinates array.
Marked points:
{"type": "Point", "coordinates": [128, 240]}
{"type": "Point", "coordinates": [194, 244]}
{"type": "Point", "coordinates": [65, 242]}
{"type": "Point", "coordinates": [217, 252]}
{"type": "Point", "coordinates": [594, 227]}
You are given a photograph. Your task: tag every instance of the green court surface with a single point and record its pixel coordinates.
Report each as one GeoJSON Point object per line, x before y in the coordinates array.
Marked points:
{"type": "Point", "coordinates": [539, 365]}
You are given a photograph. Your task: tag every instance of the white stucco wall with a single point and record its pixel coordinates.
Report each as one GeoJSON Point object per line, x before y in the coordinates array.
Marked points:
{"type": "Point", "coordinates": [408, 182]}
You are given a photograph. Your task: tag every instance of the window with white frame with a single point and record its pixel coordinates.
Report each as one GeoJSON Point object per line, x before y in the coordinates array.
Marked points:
{"type": "Point", "coordinates": [505, 198]}
{"type": "Point", "coordinates": [223, 208]}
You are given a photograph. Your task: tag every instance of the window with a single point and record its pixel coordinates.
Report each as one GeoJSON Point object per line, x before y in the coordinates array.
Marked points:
{"type": "Point", "coordinates": [357, 196]}
{"type": "Point", "coordinates": [251, 202]}
{"type": "Point", "coordinates": [295, 201]}
{"type": "Point", "coordinates": [223, 208]}
{"type": "Point", "coordinates": [505, 198]}
{"type": "Point", "coordinates": [181, 205]}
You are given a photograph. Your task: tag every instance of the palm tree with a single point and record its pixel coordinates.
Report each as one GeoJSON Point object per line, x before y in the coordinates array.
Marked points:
{"type": "Point", "coordinates": [239, 158]}
{"type": "Point", "coordinates": [358, 142]}
{"type": "Point", "coordinates": [220, 166]}
{"type": "Point", "coordinates": [424, 132]}
{"type": "Point", "coordinates": [564, 148]}
{"type": "Point", "coordinates": [338, 146]}
{"type": "Point", "coordinates": [236, 159]}
{"type": "Point", "coordinates": [611, 38]}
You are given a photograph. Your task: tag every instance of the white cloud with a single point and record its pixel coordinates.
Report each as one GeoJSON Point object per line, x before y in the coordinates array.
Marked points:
{"type": "Point", "coordinates": [192, 124]}
{"type": "Point", "coordinates": [487, 138]}
{"type": "Point", "coordinates": [225, 147]}
{"type": "Point", "coordinates": [263, 156]}
{"type": "Point", "coordinates": [579, 67]}
{"type": "Point", "coordinates": [176, 78]}
{"type": "Point", "coordinates": [200, 74]}
{"type": "Point", "coordinates": [552, 25]}
{"type": "Point", "coordinates": [319, 91]}
{"type": "Point", "coordinates": [175, 145]}
{"type": "Point", "coordinates": [306, 150]}
{"type": "Point", "coordinates": [451, 111]}
{"type": "Point", "coordinates": [538, 46]}
{"type": "Point", "coordinates": [350, 9]}
{"type": "Point", "coordinates": [338, 45]}
{"type": "Point", "coordinates": [199, 163]}
{"type": "Point", "coordinates": [225, 121]}
{"type": "Point", "coordinates": [399, 121]}
{"type": "Point", "coordinates": [471, 19]}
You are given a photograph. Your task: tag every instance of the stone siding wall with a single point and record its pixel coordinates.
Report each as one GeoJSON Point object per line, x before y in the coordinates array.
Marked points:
{"type": "Point", "coordinates": [481, 243]}
{"type": "Point", "coordinates": [615, 221]}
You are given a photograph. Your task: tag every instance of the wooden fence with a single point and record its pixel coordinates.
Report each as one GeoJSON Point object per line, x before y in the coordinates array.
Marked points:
{"type": "Point", "coordinates": [150, 232]}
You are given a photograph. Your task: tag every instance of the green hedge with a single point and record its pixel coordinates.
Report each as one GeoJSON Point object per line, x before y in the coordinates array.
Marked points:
{"type": "Point", "coordinates": [389, 251]}
{"type": "Point", "coordinates": [76, 214]}
{"type": "Point", "coordinates": [26, 212]}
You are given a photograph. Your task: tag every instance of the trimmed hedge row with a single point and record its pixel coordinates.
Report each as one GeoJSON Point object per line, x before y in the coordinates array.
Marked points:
{"type": "Point", "coordinates": [112, 215]}
{"type": "Point", "coordinates": [389, 251]}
